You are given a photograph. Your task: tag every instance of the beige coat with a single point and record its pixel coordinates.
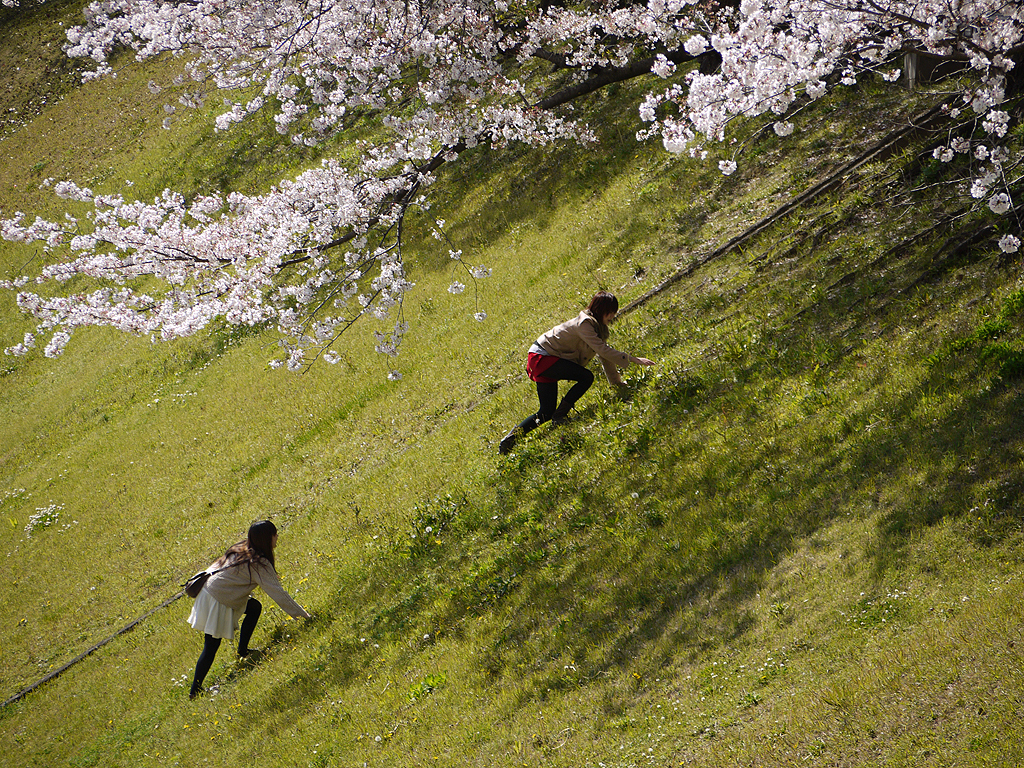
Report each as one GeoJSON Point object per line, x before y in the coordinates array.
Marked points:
{"type": "Point", "coordinates": [233, 585]}
{"type": "Point", "coordinates": [579, 339]}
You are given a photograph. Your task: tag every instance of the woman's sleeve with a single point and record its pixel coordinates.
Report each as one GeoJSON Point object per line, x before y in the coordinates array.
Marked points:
{"type": "Point", "coordinates": [611, 372]}
{"type": "Point", "coordinates": [267, 578]}
{"type": "Point", "coordinates": [610, 357]}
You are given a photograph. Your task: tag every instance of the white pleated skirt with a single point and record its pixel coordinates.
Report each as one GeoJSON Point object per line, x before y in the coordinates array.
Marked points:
{"type": "Point", "coordinates": [213, 618]}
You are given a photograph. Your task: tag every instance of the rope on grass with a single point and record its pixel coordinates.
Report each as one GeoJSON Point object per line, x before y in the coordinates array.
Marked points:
{"type": "Point", "coordinates": [124, 630]}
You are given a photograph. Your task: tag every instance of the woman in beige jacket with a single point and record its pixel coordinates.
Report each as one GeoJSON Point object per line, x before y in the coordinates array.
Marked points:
{"type": "Point", "coordinates": [226, 595]}
{"type": "Point", "coordinates": [562, 354]}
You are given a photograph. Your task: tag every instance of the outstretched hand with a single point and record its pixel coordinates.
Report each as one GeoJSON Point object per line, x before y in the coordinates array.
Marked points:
{"type": "Point", "coordinates": [644, 361]}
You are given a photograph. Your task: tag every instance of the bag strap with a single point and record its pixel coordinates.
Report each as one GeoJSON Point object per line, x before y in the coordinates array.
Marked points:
{"type": "Point", "coordinates": [225, 567]}
{"type": "Point", "coordinates": [229, 565]}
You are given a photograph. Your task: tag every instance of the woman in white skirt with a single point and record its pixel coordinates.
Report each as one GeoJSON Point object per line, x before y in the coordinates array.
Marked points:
{"type": "Point", "coordinates": [226, 596]}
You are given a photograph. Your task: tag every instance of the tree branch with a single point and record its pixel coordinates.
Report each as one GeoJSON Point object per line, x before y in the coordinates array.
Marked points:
{"type": "Point", "coordinates": [610, 75]}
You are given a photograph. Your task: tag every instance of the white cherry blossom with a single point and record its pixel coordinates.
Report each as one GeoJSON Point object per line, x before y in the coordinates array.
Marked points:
{"type": "Point", "coordinates": [317, 252]}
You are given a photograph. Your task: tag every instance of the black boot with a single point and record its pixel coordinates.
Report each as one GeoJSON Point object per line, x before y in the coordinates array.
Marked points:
{"type": "Point", "coordinates": [508, 442]}
{"type": "Point", "coordinates": [561, 415]}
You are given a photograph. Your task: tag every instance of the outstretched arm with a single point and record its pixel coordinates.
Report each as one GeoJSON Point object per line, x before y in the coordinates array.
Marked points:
{"type": "Point", "coordinates": [267, 578]}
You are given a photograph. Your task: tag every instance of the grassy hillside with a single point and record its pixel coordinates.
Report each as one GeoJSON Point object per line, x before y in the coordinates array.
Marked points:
{"type": "Point", "coordinates": [797, 541]}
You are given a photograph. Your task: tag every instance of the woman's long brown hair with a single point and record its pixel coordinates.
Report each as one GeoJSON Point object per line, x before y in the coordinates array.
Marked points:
{"type": "Point", "coordinates": [602, 304]}
{"type": "Point", "coordinates": [258, 543]}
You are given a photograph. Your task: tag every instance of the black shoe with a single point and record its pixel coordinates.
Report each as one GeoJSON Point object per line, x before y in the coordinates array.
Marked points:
{"type": "Point", "coordinates": [252, 657]}
{"type": "Point", "coordinates": [560, 417]}
{"type": "Point", "coordinates": [508, 442]}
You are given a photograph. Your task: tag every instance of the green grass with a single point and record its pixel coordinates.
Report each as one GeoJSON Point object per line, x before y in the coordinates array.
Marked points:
{"type": "Point", "coordinates": [797, 542]}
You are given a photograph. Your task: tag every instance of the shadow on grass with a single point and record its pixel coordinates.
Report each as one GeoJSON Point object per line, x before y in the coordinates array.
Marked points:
{"type": "Point", "coordinates": [488, 193]}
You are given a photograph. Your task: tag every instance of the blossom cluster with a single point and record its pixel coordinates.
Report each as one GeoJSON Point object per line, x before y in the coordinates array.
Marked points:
{"type": "Point", "coordinates": [43, 517]}
{"type": "Point", "coordinates": [319, 251]}
{"type": "Point", "coordinates": [778, 54]}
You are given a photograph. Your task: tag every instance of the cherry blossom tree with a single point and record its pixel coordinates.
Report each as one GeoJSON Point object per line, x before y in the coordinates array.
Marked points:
{"type": "Point", "coordinates": [443, 77]}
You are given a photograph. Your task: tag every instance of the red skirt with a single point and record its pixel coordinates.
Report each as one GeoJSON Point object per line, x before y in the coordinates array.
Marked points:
{"type": "Point", "coordinates": [536, 364]}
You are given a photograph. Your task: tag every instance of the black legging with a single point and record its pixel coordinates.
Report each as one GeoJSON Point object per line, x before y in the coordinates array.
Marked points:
{"type": "Point", "coordinates": [211, 644]}
{"type": "Point", "coordinates": [547, 392]}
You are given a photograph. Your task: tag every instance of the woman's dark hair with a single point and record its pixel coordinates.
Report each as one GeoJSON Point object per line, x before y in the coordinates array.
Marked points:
{"type": "Point", "coordinates": [602, 304]}
{"type": "Point", "coordinates": [259, 542]}
{"type": "Point", "coordinates": [261, 539]}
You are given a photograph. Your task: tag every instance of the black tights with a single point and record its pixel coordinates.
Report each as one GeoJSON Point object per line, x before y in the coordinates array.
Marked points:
{"type": "Point", "coordinates": [547, 393]}
{"type": "Point", "coordinates": [211, 644]}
